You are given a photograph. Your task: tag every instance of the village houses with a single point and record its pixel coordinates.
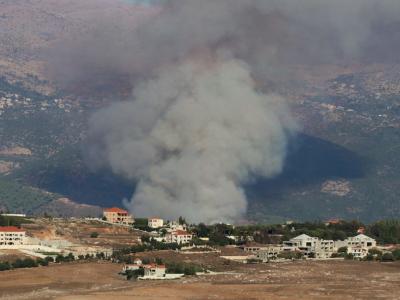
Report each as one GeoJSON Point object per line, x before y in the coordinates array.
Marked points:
{"type": "Point", "coordinates": [357, 246]}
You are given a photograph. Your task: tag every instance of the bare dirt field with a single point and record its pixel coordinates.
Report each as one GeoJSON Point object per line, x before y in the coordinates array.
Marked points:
{"type": "Point", "coordinates": [291, 280]}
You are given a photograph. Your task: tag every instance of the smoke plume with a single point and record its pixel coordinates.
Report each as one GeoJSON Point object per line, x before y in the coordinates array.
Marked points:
{"type": "Point", "coordinates": [191, 137]}
{"type": "Point", "coordinates": [200, 123]}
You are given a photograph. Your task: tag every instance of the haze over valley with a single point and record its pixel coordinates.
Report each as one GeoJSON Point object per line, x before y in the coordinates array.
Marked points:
{"type": "Point", "coordinates": [250, 106]}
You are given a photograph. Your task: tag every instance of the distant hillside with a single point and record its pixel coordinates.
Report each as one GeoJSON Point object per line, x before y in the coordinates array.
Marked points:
{"type": "Point", "coordinates": [346, 164]}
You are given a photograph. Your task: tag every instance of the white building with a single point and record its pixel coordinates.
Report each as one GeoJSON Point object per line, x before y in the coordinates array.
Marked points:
{"type": "Point", "coordinates": [153, 270]}
{"type": "Point", "coordinates": [360, 240]}
{"type": "Point", "coordinates": [155, 222]}
{"type": "Point", "coordinates": [11, 236]}
{"type": "Point", "coordinates": [358, 246]}
{"type": "Point", "coordinates": [271, 252]}
{"type": "Point", "coordinates": [303, 243]}
{"type": "Point", "coordinates": [357, 251]}
{"type": "Point", "coordinates": [179, 237]}
{"type": "Point", "coordinates": [14, 215]}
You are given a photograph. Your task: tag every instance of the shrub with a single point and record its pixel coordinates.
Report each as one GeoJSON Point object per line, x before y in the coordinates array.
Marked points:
{"type": "Point", "coordinates": [369, 257]}
{"type": "Point", "coordinates": [388, 256]}
{"type": "Point", "coordinates": [375, 251]}
{"type": "Point", "coordinates": [349, 256]}
{"type": "Point", "coordinates": [291, 255]}
{"type": "Point", "coordinates": [159, 261]}
{"type": "Point", "coordinates": [4, 266]}
{"type": "Point", "coordinates": [396, 254]}
{"type": "Point", "coordinates": [24, 263]}
{"type": "Point", "coordinates": [49, 259]}
{"type": "Point", "coordinates": [94, 235]}
{"type": "Point", "coordinates": [60, 258]}
{"type": "Point", "coordinates": [42, 262]}
{"type": "Point", "coordinates": [335, 255]}
{"type": "Point", "coordinates": [134, 274]}
{"type": "Point", "coordinates": [182, 268]}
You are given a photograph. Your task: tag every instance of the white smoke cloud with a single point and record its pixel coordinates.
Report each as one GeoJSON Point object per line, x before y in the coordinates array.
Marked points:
{"type": "Point", "coordinates": [192, 136]}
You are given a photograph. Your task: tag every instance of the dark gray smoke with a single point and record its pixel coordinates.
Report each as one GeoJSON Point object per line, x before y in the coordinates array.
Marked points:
{"type": "Point", "coordinates": [268, 34]}
{"type": "Point", "coordinates": [199, 123]}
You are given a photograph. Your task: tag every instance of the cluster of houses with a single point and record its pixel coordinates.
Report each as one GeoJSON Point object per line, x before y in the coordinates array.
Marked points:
{"type": "Point", "coordinates": [14, 238]}
{"type": "Point", "coordinates": [150, 271]}
{"type": "Point", "coordinates": [174, 232]}
{"type": "Point", "coordinates": [312, 247]}
{"type": "Point", "coordinates": [14, 100]}
{"type": "Point", "coordinates": [357, 246]}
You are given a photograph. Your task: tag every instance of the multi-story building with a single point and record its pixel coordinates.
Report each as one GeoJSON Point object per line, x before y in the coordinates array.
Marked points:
{"type": "Point", "coordinates": [360, 240]}
{"type": "Point", "coordinates": [118, 216]}
{"type": "Point", "coordinates": [155, 222]}
{"type": "Point", "coordinates": [11, 236]}
{"type": "Point", "coordinates": [173, 226]}
{"type": "Point", "coordinates": [179, 237]}
{"type": "Point", "coordinates": [269, 253]}
{"type": "Point", "coordinates": [303, 243]}
{"type": "Point", "coordinates": [357, 246]}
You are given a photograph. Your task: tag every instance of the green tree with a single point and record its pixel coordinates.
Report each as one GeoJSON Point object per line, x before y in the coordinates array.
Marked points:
{"type": "Point", "coordinates": [94, 235]}
{"type": "Point", "coordinates": [134, 274]}
{"type": "Point", "coordinates": [396, 254]}
{"type": "Point", "coordinates": [387, 257]}
{"type": "Point", "coordinates": [4, 266]}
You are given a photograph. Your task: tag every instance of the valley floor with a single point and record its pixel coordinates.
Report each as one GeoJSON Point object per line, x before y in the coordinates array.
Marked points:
{"type": "Point", "coordinates": [291, 280]}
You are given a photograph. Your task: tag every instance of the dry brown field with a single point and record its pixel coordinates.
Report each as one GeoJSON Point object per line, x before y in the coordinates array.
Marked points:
{"type": "Point", "coordinates": [291, 280]}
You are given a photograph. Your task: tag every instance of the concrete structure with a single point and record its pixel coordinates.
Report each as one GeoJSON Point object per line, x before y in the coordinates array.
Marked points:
{"type": "Point", "coordinates": [80, 250]}
{"type": "Point", "coordinates": [117, 215]}
{"type": "Point", "coordinates": [173, 226]}
{"type": "Point", "coordinates": [11, 237]}
{"type": "Point", "coordinates": [155, 222]}
{"type": "Point", "coordinates": [325, 249]}
{"type": "Point", "coordinates": [266, 254]}
{"type": "Point", "coordinates": [179, 237]}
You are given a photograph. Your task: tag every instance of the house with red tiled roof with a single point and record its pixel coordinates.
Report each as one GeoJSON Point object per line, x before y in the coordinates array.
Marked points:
{"type": "Point", "coordinates": [117, 215]}
{"type": "Point", "coordinates": [154, 270]}
{"type": "Point", "coordinates": [11, 236]}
